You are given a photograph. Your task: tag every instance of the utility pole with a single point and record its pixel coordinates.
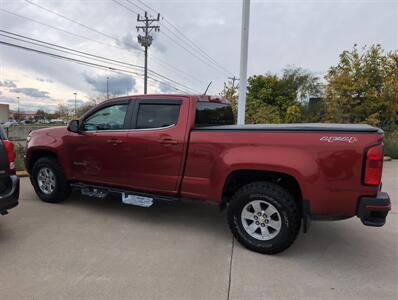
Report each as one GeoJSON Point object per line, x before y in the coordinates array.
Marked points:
{"type": "Point", "coordinates": [107, 87]}
{"type": "Point", "coordinates": [75, 104]}
{"type": "Point", "coordinates": [243, 61]}
{"type": "Point", "coordinates": [233, 81]}
{"type": "Point", "coordinates": [146, 40]}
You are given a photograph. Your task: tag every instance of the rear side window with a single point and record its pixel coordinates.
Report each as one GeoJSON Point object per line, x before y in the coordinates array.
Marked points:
{"type": "Point", "coordinates": [157, 115]}
{"type": "Point", "coordinates": [213, 114]}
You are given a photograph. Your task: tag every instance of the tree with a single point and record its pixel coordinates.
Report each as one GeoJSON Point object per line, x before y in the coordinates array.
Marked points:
{"type": "Point", "coordinates": [230, 92]}
{"type": "Point", "coordinates": [363, 88]}
{"type": "Point", "coordinates": [63, 111]}
{"type": "Point", "coordinates": [85, 107]}
{"type": "Point", "coordinates": [40, 114]}
{"type": "Point", "coordinates": [274, 99]}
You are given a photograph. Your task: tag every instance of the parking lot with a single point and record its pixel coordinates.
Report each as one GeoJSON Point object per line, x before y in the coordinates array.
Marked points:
{"type": "Point", "coordinates": [88, 248]}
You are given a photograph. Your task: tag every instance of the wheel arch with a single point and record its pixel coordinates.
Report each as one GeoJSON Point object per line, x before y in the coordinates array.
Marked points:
{"type": "Point", "coordinates": [238, 178]}
{"type": "Point", "coordinates": [34, 154]}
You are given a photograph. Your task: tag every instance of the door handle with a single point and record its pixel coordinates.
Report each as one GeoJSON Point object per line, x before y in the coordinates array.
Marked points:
{"type": "Point", "coordinates": [168, 141]}
{"type": "Point", "coordinates": [115, 141]}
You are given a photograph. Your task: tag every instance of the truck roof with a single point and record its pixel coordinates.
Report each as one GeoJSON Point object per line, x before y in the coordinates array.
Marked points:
{"type": "Point", "coordinates": [201, 98]}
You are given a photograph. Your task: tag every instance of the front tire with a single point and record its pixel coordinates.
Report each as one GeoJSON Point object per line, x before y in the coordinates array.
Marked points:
{"type": "Point", "coordinates": [264, 217]}
{"type": "Point", "coordinates": [49, 180]}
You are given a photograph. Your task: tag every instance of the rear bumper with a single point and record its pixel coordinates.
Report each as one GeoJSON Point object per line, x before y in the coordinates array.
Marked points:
{"type": "Point", "coordinates": [373, 211]}
{"type": "Point", "coordinates": [9, 198]}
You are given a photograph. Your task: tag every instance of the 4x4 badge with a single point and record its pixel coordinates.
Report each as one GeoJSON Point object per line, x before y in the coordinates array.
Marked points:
{"type": "Point", "coordinates": [331, 139]}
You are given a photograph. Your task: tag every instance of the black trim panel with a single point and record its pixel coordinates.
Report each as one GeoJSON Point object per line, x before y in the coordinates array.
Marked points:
{"type": "Point", "coordinates": [305, 127]}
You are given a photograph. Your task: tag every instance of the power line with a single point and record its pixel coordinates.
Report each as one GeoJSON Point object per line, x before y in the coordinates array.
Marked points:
{"type": "Point", "coordinates": [65, 57]}
{"type": "Point", "coordinates": [69, 50]}
{"type": "Point", "coordinates": [203, 57]}
{"type": "Point", "coordinates": [62, 30]}
{"type": "Point", "coordinates": [86, 63]}
{"type": "Point", "coordinates": [71, 20]}
{"type": "Point", "coordinates": [189, 51]}
{"type": "Point", "coordinates": [126, 7]}
{"type": "Point", "coordinates": [186, 39]}
{"type": "Point", "coordinates": [171, 67]}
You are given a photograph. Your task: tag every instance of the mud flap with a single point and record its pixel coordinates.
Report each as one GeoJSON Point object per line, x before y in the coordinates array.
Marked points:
{"type": "Point", "coordinates": [306, 215]}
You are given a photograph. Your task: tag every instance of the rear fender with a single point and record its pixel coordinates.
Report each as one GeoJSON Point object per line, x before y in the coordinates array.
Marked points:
{"type": "Point", "coordinates": [294, 162]}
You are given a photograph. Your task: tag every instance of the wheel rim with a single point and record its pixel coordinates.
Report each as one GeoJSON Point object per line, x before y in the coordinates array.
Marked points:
{"type": "Point", "coordinates": [261, 220]}
{"type": "Point", "coordinates": [46, 180]}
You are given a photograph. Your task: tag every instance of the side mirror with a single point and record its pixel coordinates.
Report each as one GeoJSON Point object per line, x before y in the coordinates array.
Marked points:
{"type": "Point", "coordinates": [73, 126]}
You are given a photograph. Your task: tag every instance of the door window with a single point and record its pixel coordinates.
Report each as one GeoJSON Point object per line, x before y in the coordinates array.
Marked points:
{"type": "Point", "coordinates": [107, 118]}
{"type": "Point", "coordinates": [157, 115]}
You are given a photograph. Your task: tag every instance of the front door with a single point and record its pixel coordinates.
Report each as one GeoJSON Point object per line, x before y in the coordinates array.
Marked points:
{"type": "Point", "coordinates": [100, 149]}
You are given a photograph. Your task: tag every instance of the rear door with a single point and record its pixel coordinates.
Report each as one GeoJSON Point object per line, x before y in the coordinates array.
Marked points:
{"type": "Point", "coordinates": [157, 144]}
{"type": "Point", "coordinates": [100, 150]}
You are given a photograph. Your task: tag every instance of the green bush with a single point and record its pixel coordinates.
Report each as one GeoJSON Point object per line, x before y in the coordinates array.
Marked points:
{"type": "Point", "coordinates": [391, 145]}
{"type": "Point", "coordinates": [19, 160]}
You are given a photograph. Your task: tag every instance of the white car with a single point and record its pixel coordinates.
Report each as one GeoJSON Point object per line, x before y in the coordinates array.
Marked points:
{"type": "Point", "coordinates": [10, 123]}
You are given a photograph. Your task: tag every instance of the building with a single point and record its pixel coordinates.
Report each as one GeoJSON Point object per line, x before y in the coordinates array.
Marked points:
{"type": "Point", "coordinates": [4, 112]}
{"type": "Point", "coordinates": [23, 115]}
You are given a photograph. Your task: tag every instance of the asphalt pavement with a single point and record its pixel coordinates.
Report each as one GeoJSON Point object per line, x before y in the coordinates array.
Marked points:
{"type": "Point", "coordinates": [87, 248]}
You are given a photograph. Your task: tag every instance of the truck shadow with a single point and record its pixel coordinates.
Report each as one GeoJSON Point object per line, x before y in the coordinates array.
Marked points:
{"type": "Point", "coordinates": [323, 241]}
{"type": "Point", "coordinates": [186, 214]}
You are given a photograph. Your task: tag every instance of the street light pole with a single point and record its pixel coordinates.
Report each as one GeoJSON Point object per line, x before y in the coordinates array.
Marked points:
{"type": "Point", "coordinates": [243, 61]}
{"type": "Point", "coordinates": [18, 108]}
{"type": "Point", "coordinates": [75, 104]}
{"type": "Point", "coordinates": [107, 87]}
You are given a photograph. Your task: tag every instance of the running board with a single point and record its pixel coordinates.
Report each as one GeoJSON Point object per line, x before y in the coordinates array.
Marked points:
{"type": "Point", "coordinates": [128, 197]}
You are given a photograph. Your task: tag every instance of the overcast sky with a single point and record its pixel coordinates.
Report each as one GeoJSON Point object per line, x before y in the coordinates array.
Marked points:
{"type": "Point", "coordinates": [309, 34]}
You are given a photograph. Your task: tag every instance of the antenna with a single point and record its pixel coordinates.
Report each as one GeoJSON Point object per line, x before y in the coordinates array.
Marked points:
{"type": "Point", "coordinates": [207, 88]}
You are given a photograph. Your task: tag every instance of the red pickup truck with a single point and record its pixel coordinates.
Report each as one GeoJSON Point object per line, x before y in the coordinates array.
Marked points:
{"type": "Point", "coordinates": [272, 178]}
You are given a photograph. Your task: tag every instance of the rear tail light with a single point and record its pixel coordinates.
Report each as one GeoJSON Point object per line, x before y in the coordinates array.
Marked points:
{"type": "Point", "coordinates": [11, 155]}
{"type": "Point", "coordinates": [373, 165]}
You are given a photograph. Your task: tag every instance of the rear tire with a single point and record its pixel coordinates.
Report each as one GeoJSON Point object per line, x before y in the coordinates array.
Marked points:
{"type": "Point", "coordinates": [264, 217]}
{"type": "Point", "coordinates": [49, 181]}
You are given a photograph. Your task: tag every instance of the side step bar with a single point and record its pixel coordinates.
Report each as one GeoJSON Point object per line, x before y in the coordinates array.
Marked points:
{"type": "Point", "coordinates": [128, 197]}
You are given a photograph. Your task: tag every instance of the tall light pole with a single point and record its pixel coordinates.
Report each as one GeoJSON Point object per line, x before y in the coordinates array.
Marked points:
{"type": "Point", "coordinates": [244, 43]}
{"type": "Point", "coordinates": [75, 104]}
{"type": "Point", "coordinates": [107, 87]}
{"type": "Point", "coordinates": [18, 108]}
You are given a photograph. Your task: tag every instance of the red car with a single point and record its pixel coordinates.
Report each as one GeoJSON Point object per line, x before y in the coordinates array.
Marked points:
{"type": "Point", "coordinates": [9, 182]}
{"type": "Point", "coordinates": [272, 178]}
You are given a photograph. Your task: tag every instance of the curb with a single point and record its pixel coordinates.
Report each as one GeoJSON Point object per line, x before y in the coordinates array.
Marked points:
{"type": "Point", "coordinates": [387, 158]}
{"type": "Point", "coordinates": [22, 174]}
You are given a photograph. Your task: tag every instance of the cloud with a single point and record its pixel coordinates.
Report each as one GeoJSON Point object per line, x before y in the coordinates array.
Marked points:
{"type": "Point", "coordinates": [118, 84]}
{"type": "Point", "coordinates": [44, 80]}
{"type": "Point", "coordinates": [129, 42]}
{"type": "Point", "coordinates": [159, 45]}
{"type": "Point", "coordinates": [164, 88]}
{"type": "Point", "coordinates": [71, 102]}
{"type": "Point", "coordinates": [4, 99]}
{"type": "Point", "coordinates": [8, 83]}
{"type": "Point", "coordinates": [32, 92]}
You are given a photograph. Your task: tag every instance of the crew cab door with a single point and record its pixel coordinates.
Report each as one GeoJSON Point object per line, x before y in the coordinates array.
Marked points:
{"type": "Point", "coordinates": [157, 143]}
{"type": "Point", "coordinates": [99, 150]}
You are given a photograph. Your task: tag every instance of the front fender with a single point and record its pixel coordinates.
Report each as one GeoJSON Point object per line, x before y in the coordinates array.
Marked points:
{"type": "Point", "coordinates": [45, 143]}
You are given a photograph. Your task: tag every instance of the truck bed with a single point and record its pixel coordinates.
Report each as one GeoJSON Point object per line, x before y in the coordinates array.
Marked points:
{"type": "Point", "coordinates": [317, 127]}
